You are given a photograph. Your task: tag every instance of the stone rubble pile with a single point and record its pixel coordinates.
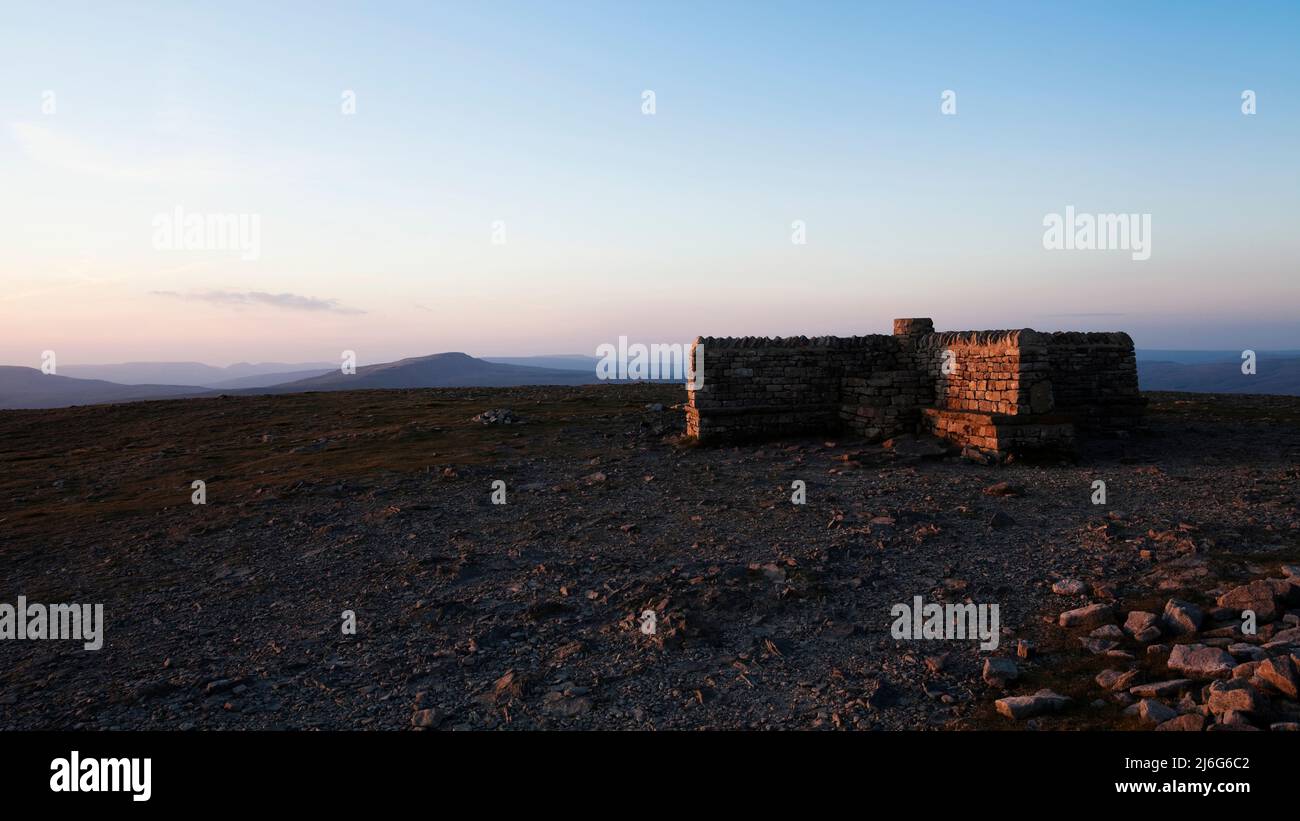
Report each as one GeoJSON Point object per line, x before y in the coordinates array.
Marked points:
{"type": "Point", "coordinates": [1190, 668]}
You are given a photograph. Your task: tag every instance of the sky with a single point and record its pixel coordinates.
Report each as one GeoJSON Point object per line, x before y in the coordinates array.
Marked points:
{"type": "Point", "coordinates": [485, 178]}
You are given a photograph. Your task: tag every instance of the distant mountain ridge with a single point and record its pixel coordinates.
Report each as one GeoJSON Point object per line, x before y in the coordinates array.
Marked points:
{"type": "Point", "coordinates": [25, 388]}
{"type": "Point", "coordinates": [28, 388]}
{"type": "Point", "coordinates": [441, 370]}
{"type": "Point", "coordinates": [1273, 375]}
{"type": "Point", "coordinates": [196, 373]}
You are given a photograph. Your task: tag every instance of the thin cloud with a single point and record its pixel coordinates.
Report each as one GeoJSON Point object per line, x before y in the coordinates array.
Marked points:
{"type": "Point", "coordinates": [60, 150]}
{"type": "Point", "coordinates": [284, 301]}
{"type": "Point", "coordinates": [1089, 315]}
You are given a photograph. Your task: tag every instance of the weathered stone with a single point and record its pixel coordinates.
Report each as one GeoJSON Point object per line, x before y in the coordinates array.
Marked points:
{"type": "Point", "coordinates": [1280, 674]}
{"type": "Point", "coordinates": [1098, 647]}
{"type": "Point", "coordinates": [1235, 695]}
{"type": "Point", "coordinates": [1040, 703]}
{"type": "Point", "coordinates": [999, 671]}
{"type": "Point", "coordinates": [1000, 519]}
{"type": "Point", "coordinates": [1248, 652]}
{"type": "Point", "coordinates": [1257, 596]}
{"type": "Point", "coordinates": [1245, 670]}
{"type": "Point", "coordinates": [1142, 626]}
{"type": "Point", "coordinates": [1187, 723]}
{"type": "Point", "coordinates": [1161, 689]}
{"type": "Point", "coordinates": [1150, 711]}
{"type": "Point", "coordinates": [1289, 636]}
{"type": "Point", "coordinates": [1004, 489]}
{"type": "Point", "coordinates": [1127, 680]}
{"type": "Point", "coordinates": [1182, 617]}
{"type": "Point", "coordinates": [1069, 587]}
{"type": "Point", "coordinates": [1108, 631]}
{"type": "Point", "coordinates": [1093, 615]}
{"type": "Point", "coordinates": [1106, 679]}
{"type": "Point", "coordinates": [1234, 720]}
{"type": "Point", "coordinates": [425, 718]}
{"type": "Point", "coordinates": [1199, 661]}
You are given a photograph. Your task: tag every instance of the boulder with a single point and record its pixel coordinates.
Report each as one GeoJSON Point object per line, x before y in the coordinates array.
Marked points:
{"type": "Point", "coordinates": [1188, 723]}
{"type": "Point", "coordinates": [1069, 587]}
{"type": "Point", "coordinates": [1257, 596]}
{"type": "Point", "coordinates": [1201, 662]}
{"type": "Point", "coordinates": [1280, 674]}
{"type": "Point", "coordinates": [1150, 711]}
{"type": "Point", "coordinates": [1161, 689]}
{"type": "Point", "coordinates": [1235, 695]}
{"type": "Point", "coordinates": [1040, 703]}
{"type": "Point", "coordinates": [998, 671]}
{"type": "Point", "coordinates": [1182, 618]}
{"type": "Point", "coordinates": [1093, 615]}
{"type": "Point", "coordinates": [1142, 626]}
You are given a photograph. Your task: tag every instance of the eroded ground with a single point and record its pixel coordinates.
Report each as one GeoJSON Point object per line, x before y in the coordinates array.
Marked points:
{"type": "Point", "coordinates": [524, 615]}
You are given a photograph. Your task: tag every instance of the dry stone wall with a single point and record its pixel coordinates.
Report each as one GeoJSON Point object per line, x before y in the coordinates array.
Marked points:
{"type": "Point", "coordinates": [994, 391]}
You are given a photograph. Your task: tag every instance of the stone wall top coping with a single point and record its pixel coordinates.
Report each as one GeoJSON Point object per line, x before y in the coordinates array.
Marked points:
{"type": "Point", "coordinates": [1091, 338]}
{"type": "Point", "coordinates": [872, 340]}
{"type": "Point", "coordinates": [1018, 336]}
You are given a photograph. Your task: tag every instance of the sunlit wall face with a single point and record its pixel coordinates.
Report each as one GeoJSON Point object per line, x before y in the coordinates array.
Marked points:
{"type": "Point", "coordinates": [492, 180]}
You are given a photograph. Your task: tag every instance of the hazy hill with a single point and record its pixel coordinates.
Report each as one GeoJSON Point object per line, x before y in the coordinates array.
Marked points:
{"type": "Point", "coordinates": [1273, 375]}
{"type": "Point", "coordinates": [30, 388]}
{"type": "Point", "coordinates": [268, 379]}
{"type": "Point", "coordinates": [563, 362]}
{"type": "Point", "coordinates": [442, 370]}
{"type": "Point", "coordinates": [250, 374]}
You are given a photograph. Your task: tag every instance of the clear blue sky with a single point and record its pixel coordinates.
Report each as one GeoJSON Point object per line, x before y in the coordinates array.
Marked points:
{"type": "Point", "coordinates": [376, 227]}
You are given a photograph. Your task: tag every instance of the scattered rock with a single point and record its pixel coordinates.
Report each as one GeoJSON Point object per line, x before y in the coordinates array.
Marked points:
{"type": "Point", "coordinates": [567, 706]}
{"type": "Point", "coordinates": [1040, 703]}
{"type": "Point", "coordinates": [1098, 647]}
{"type": "Point", "coordinates": [1107, 678]}
{"type": "Point", "coordinates": [1235, 695]}
{"type": "Point", "coordinates": [1093, 615]}
{"type": "Point", "coordinates": [1201, 662]}
{"type": "Point", "coordinates": [999, 671]}
{"type": "Point", "coordinates": [426, 718]}
{"type": "Point", "coordinates": [1150, 711]}
{"type": "Point", "coordinates": [1004, 489]}
{"type": "Point", "coordinates": [496, 416]}
{"type": "Point", "coordinates": [1142, 626]}
{"type": "Point", "coordinates": [1161, 689]}
{"type": "Point", "coordinates": [1182, 618]}
{"type": "Point", "coordinates": [1001, 519]}
{"type": "Point", "coordinates": [1257, 596]}
{"type": "Point", "coordinates": [1069, 587]}
{"type": "Point", "coordinates": [1187, 723]}
{"type": "Point", "coordinates": [1280, 674]}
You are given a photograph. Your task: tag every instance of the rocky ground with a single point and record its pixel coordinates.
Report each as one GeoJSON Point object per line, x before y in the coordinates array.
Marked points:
{"type": "Point", "coordinates": [475, 615]}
